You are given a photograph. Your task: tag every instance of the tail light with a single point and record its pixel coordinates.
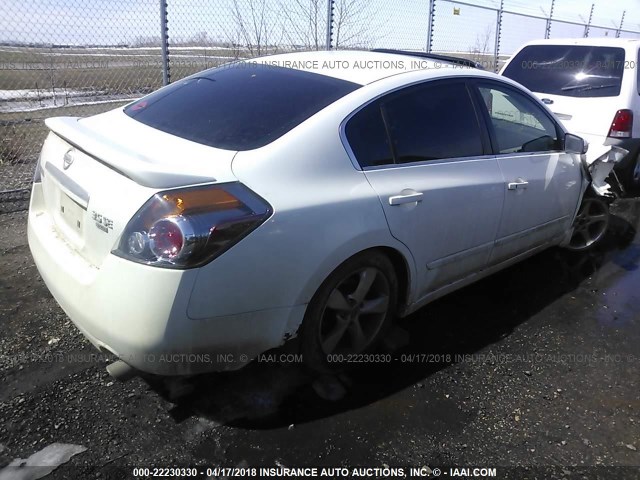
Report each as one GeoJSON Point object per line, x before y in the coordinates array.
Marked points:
{"type": "Point", "coordinates": [189, 227]}
{"type": "Point", "coordinates": [622, 124]}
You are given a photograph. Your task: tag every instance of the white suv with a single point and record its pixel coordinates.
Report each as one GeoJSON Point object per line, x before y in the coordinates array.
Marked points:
{"type": "Point", "coordinates": [592, 86]}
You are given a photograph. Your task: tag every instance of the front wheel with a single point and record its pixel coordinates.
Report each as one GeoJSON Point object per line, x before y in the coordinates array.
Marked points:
{"type": "Point", "coordinates": [350, 312]}
{"type": "Point", "coordinates": [590, 224]}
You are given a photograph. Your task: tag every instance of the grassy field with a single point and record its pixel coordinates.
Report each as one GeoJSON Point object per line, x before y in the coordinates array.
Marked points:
{"type": "Point", "coordinates": [115, 69]}
{"type": "Point", "coordinates": [37, 83]}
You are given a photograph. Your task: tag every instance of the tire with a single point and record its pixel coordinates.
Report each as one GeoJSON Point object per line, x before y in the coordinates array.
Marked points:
{"type": "Point", "coordinates": [350, 312]}
{"type": "Point", "coordinates": [590, 225]}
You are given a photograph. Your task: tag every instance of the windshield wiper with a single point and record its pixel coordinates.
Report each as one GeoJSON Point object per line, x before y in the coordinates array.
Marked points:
{"type": "Point", "coordinates": [584, 88]}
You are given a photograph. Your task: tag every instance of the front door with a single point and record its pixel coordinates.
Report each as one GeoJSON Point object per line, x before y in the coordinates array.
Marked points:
{"type": "Point", "coordinates": [542, 185]}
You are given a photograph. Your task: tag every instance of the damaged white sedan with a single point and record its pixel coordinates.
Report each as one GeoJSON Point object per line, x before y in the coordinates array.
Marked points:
{"type": "Point", "coordinates": [314, 195]}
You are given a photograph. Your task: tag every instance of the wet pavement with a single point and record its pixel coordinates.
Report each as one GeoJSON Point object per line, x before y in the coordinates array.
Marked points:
{"type": "Point", "coordinates": [535, 366]}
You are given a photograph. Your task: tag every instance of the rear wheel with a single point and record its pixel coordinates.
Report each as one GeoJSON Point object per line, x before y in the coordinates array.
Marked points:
{"type": "Point", "coordinates": [590, 224]}
{"type": "Point", "coordinates": [350, 312]}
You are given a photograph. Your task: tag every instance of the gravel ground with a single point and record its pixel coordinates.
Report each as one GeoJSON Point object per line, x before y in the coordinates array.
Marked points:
{"type": "Point", "coordinates": [534, 367]}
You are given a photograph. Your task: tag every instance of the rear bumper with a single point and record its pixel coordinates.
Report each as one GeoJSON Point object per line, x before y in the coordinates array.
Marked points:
{"type": "Point", "coordinates": [139, 313]}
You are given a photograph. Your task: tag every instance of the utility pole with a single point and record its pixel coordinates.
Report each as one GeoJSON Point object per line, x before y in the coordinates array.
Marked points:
{"type": "Point", "coordinates": [329, 39]}
{"type": "Point", "coordinates": [496, 50]}
{"type": "Point", "coordinates": [621, 23]}
{"type": "Point", "coordinates": [164, 43]}
{"type": "Point", "coordinates": [547, 32]}
{"type": "Point", "coordinates": [588, 25]}
{"type": "Point", "coordinates": [432, 11]}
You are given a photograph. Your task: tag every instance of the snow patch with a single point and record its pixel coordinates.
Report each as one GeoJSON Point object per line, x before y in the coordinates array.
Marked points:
{"type": "Point", "coordinates": [41, 463]}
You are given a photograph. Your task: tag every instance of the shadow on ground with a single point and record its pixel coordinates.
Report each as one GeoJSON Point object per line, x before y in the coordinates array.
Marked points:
{"type": "Point", "coordinates": [267, 395]}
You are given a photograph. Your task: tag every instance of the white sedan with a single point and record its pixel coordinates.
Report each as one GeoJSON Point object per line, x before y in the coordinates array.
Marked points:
{"type": "Point", "coordinates": [310, 195]}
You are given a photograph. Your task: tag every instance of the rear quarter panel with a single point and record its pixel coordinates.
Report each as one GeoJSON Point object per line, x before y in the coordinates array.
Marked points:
{"type": "Point", "coordinates": [325, 211]}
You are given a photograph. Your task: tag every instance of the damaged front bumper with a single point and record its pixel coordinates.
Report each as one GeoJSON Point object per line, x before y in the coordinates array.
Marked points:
{"type": "Point", "coordinates": [598, 163]}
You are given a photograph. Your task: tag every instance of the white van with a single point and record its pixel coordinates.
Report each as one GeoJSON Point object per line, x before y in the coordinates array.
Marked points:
{"type": "Point", "coordinates": [592, 86]}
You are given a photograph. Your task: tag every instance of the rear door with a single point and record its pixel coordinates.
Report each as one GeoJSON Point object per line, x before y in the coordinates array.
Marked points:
{"type": "Point", "coordinates": [542, 183]}
{"type": "Point", "coordinates": [425, 151]}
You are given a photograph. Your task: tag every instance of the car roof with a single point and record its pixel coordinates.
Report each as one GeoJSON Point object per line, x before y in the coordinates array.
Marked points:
{"type": "Point", "coordinates": [590, 41]}
{"type": "Point", "coordinates": [361, 67]}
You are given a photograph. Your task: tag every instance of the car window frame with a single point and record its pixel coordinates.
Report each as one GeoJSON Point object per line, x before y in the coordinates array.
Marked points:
{"type": "Point", "coordinates": [345, 140]}
{"type": "Point", "coordinates": [489, 82]}
{"type": "Point", "coordinates": [485, 139]}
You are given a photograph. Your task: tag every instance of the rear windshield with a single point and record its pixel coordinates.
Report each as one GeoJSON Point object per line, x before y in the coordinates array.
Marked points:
{"type": "Point", "coordinates": [570, 70]}
{"type": "Point", "coordinates": [238, 107]}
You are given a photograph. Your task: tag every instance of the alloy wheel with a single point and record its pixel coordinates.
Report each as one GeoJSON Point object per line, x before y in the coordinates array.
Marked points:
{"type": "Point", "coordinates": [354, 312]}
{"type": "Point", "coordinates": [590, 224]}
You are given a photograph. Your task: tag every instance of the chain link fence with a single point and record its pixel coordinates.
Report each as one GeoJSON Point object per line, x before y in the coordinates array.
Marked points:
{"type": "Point", "coordinates": [492, 33]}
{"type": "Point", "coordinates": [518, 29]}
{"type": "Point", "coordinates": [78, 58]}
{"type": "Point", "coordinates": [453, 27]}
{"type": "Point", "coordinates": [69, 58]}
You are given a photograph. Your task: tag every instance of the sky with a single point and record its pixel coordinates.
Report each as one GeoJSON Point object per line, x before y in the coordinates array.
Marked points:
{"type": "Point", "coordinates": [382, 23]}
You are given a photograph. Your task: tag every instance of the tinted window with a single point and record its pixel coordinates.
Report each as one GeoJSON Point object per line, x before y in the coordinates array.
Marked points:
{"type": "Point", "coordinates": [519, 124]}
{"type": "Point", "coordinates": [433, 121]}
{"type": "Point", "coordinates": [425, 122]}
{"type": "Point", "coordinates": [238, 107]}
{"type": "Point", "coordinates": [367, 137]}
{"type": "Point", "coordinates": [570, 70]}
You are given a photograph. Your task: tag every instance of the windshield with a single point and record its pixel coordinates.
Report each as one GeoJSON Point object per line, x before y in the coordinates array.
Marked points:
{"type": "Point", "coordinates": [240, 106]}
{"type": "Point", "coordinates": [569, 70]}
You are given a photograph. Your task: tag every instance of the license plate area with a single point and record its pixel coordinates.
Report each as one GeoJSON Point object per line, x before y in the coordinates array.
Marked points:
{"type": "Point", "coordinates": [72, 214]}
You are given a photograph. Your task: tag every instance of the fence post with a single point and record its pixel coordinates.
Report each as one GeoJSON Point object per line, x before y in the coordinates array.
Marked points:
{"type": "Point", "coordinates": [588, 25]}
{"type": "Point", "coordinates": [329, 40]}
{"type": "Point", "coordinates": [621, 22]}
{"type": "Point", "coordinates": [547, 33]}
{"type": "Point", "coordinates": [164, 43]}
{"type": "Point", "coordinates": [498, 33]}
{"type": "Point", "coordinates": [432, 11]}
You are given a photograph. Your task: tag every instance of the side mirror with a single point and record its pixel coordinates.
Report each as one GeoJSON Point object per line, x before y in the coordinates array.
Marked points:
{"type": "Point", "coordinates": [575, 144]}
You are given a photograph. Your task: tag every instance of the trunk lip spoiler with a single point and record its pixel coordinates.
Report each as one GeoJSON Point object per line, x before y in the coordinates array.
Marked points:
{"type": "Point", "coordinates": [121, 160]}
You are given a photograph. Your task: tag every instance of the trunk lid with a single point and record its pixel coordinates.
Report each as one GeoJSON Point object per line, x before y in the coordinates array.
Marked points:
{"type": "Point", "coordinates": [148, 156]}
{"type": "Point", "coordinates": [97, 172]}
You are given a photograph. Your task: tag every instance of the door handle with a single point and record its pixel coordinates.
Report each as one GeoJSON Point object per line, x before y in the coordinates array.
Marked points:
{"type": "Point", "coordinates": [519, 185]}
{"type": "Point", "coordinates": [409, 198]}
